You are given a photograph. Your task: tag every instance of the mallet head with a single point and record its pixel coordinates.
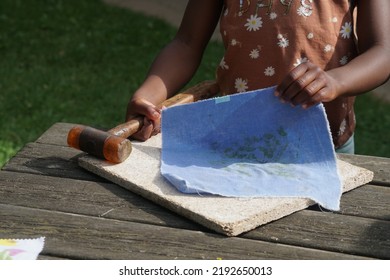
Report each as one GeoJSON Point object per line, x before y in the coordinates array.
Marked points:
{"type": "Point", "coordinates": [99, 143]}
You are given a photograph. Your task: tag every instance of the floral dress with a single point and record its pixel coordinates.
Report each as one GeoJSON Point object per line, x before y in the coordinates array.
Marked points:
{"type": "Point", "coordinates": [266, 39]}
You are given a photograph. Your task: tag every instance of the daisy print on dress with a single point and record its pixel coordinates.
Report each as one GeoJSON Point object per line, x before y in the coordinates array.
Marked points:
{"type": "Point", "coordinates": [254, 23]}
{"type": "Point", "coordinates": [344, 60]}
{"type": "Point", "coordinates": [273, 15]}
{"type": "Point", "coordinates": [269, 71]}
{"type": "Point", "coordinates": [255, 53]}
{"type": "Point", "coordinates": [346, 30]}
{"type": "Point", "coordinates": [343, 126]}
{"type": "Point", "coordinates": [234, 42]}
{"type": "Point", "coordinates": [283, 42]}
{"type": "Point", "coordinates": [241, 85]}
{"type": "Point", "coordinates": [328, 48]}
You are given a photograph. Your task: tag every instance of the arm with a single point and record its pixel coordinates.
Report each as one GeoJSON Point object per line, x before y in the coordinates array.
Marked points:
{"type": "Point", "coordinates": [307, 84]}
{"type": "Point", "coordinates": [176, 63]}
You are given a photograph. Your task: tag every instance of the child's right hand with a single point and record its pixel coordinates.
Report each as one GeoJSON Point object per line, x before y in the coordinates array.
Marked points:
{"type": "Point", "coordinates": [152, 119]}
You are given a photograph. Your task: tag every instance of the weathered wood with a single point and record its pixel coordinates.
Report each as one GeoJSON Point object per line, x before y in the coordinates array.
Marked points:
{"type": "Point", "coordinates": [50, 160]}
{"type": "Point", "coordinates": [56, 135]}
{"type": "Point", "coordinates": [80, 237]}
{"type": "Point", "coordinates": [85, 198]}
{"type": "Point", "coordinates": [42, 257]}
{"type": "Point", "coordinates": [368, 201]}
{"type": "Point", "coordinates": [380, 166]}
{"type": "Point", "coordinates": [330, 232]}
{"type": "Point", "coordinates": [111, 201]}
{"type": "Point", "coordinates": [91, 218]}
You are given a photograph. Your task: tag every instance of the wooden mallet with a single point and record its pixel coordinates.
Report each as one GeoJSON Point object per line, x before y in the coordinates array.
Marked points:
{"type": "Point", "coordinates": [113, 144]}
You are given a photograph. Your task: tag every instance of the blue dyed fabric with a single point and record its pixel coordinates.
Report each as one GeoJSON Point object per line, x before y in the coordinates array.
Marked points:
{"type": "Point", "coordinates": [250, 145]}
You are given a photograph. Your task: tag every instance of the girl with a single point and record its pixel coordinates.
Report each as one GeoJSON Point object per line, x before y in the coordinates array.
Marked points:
{"type": "Point", "coordinates": [306, 47]}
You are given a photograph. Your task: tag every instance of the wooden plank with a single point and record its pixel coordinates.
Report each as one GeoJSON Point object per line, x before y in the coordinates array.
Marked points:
{"type": "Point", "coordinates": [111, 201]}
{"type": "Point", "coordinates": [141, 174]}
{"type": "Point", "coordinates": [367, 201]}
{"type": "Point", "coordinates": [80, 237]}
{"type": "Point", "coordinates": [85, 198]}
{"type": "Point", "coordinates": [50, 160]}
{"type": "Point", "coordinates": [330, 232]}
{"type": "Point", "coordinates": [57, 134]}
{"type": "Point", "coordinates": [42, 257]}
{"type": "Point", "coordinates": [379, 165]}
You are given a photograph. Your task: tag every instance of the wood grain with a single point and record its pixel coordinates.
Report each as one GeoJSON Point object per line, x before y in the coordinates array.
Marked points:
{"type": "Point", "coordinates": [80, 237]}
{"type": "Point", "coordinates": [43, 191]}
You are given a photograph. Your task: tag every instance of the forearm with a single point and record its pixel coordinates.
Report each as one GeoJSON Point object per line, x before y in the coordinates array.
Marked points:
{"type": "Point", "coordinates": [178, 61]}
{"type": "Point", "coordinates": [171, 70]}
{"type": "Point", "coordinates": [367, 71]}
{"type": "Point", "coordinates": [371, 67]}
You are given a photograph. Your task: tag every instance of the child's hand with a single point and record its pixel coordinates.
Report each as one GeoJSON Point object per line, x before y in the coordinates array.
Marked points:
{"type": "Point", "coordinates": [307, 85]}
{"type": "Point", "coordinates": [152, 120]}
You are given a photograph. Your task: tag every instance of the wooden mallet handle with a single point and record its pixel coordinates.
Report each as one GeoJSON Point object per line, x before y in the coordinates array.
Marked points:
{"type": "Point", "coordinates": [113, 145]}
{"type": "Point", "coordinates": [200, 91]}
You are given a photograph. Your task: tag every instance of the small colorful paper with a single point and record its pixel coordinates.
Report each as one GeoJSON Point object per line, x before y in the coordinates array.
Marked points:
{"type": "Point", "coordinates": [21, 249]}
{"type": "Point", "coordinates": [250, 145]}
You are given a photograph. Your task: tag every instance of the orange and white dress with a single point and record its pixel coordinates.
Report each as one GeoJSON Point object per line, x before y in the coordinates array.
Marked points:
{"type": "Point", "coordinates": [266, 39]}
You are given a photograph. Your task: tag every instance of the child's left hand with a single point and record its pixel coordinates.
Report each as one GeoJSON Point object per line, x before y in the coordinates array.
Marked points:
{"type": "Point", "coordinates": [307, 85]}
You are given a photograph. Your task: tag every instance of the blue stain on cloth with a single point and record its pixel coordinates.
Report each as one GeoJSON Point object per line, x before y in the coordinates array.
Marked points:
{"type": "Point", "coordinates": [250, 145]}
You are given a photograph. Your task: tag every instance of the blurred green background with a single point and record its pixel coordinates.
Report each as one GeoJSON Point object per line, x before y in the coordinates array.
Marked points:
{"type": "Point", "coordinates": [79, 61]}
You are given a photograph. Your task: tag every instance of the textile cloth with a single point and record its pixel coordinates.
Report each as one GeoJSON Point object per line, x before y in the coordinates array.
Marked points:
{"type": "Point", "coordinates": [250, 145]}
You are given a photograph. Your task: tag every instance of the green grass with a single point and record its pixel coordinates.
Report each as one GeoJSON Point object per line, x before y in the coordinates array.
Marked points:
{"type": "Point", "coordinates": [372, 135]}
{"type": "Point", "coordinates": [79, 61]}
{"type": "Point", "coordinates": [73, 61]}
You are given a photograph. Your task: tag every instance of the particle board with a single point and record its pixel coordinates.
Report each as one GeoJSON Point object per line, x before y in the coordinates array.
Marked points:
{"type": "Point", "coordinates": [140, 173]}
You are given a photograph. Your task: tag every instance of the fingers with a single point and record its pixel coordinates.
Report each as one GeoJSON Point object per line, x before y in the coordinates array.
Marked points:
{"type": "Point", "coordinates": [306, 85]}
{"type": "Point", "coordinates": [149, 129]}
{"type": "Point", "coordinates": [152, 121]}
{"type": "Point", "coordinates": [142, 107]}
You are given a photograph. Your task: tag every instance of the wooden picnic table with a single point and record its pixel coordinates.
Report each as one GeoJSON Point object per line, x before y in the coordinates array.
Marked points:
{"type": "Point", "coordinates": [43, 192]}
